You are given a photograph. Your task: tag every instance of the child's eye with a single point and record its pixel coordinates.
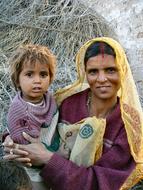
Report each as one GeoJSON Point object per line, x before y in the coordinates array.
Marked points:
{"type": "Point", "coordinates": [43, 74]}
{"type": "Point", "coordinates": [29, 74]}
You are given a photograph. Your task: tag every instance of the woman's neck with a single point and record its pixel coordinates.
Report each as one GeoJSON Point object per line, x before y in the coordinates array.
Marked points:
{"type": "Point", "coordinates": [101, 108]}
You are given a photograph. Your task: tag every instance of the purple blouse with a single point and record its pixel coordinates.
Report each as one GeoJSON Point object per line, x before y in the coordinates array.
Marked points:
{"type": "Point", "coordinates": [110, 171]}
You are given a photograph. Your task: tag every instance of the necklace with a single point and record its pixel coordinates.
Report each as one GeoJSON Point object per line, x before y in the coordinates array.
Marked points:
{"type": "Point", "coordinates": [88, 101]}
{"type": "Point", "coordinates": [102, 115]}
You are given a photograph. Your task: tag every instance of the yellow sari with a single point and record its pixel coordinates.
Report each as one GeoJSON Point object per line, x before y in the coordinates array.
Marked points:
{"type": "Point", "coordinates": [130, 106]}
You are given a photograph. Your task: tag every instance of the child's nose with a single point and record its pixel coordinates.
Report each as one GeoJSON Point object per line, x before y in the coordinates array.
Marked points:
{"type": "Point", "coordinates": [37, 79]}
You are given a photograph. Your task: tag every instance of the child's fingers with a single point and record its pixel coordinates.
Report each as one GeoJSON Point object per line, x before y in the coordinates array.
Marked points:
{"type": "Point", "coordinates": [29, 138]}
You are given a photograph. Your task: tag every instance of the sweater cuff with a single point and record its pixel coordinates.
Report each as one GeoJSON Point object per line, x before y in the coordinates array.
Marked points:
{"type": "Point", "coordinates": [53, 167]}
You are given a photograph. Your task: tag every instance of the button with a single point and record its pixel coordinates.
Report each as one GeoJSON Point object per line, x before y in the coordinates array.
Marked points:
{"type": "Point", "coordinates": [69, 134]}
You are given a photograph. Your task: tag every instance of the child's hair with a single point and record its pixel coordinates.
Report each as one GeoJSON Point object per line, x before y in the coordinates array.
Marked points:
{"type": "Point", "coordinates": [30, 53]}
{"type": "Point", "coordinates": [13, 176]}
{"type": "Point", "coordinates": [97, 48]}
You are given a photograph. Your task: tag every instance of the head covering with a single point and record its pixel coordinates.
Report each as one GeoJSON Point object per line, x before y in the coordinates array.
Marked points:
{"type": "Point", "coordinates": [131, 110]}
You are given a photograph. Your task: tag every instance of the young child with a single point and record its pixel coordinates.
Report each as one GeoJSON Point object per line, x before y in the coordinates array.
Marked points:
{"type": "Point", "coordinates": [13, 176]}
{"type": "Point", "coordinates": [33, 109]}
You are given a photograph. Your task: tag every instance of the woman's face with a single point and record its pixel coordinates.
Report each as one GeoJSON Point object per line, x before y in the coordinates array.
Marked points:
{"type": "Point", "coordinates": [103, 76]}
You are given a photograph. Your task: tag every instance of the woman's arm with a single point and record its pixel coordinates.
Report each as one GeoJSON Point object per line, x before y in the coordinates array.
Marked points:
{"type": "Point", "coordinates": [109, 173]}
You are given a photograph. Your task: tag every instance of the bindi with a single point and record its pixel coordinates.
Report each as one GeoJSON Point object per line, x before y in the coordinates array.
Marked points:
{"type": "Point", "coordinates": [102, 49]}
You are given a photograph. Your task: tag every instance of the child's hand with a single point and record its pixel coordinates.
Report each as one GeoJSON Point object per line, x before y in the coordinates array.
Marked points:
{"type": "Point", "coordinates": [30, 139]}
{"type": "Point", "coordinates": [8, 141]}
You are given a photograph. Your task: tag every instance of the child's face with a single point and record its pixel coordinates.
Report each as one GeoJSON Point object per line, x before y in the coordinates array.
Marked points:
{"type": "Point", "coordinates": [34, 81]}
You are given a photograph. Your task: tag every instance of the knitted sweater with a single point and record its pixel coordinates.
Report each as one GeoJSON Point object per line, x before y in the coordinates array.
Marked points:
{"type": "Point", "coordinates": [29, 118]}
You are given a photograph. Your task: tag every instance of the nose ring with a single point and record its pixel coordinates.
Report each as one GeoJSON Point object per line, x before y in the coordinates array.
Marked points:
{"type": "Point", "coordinates": [105, 79]}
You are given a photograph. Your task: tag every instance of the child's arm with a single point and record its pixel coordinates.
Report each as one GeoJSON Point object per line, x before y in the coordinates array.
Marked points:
{"type": "Point", "coordinates": [18, 122]}
{"type": "Point", "coordinates": [17, 130]}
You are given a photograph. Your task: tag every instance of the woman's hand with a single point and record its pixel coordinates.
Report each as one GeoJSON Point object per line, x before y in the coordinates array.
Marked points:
{"type": "Point", "coordinates": [9, 146]}
{"type": "Point", "coordinates": [19, 155]}
{"type": "Point", "coordinates": [34, 153]}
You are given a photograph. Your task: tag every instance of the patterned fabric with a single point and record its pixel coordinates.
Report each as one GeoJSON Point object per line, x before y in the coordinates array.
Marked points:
{"type": "Point", "coordinates": [82, 136]}
{"type": "Point", "coordinates": [130, 106]}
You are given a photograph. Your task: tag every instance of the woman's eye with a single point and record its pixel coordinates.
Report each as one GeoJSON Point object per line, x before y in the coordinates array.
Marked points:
{"type": "Point", "coordinates": [92, 72]}
{"type": "Point", "coordinates": [111, 70]}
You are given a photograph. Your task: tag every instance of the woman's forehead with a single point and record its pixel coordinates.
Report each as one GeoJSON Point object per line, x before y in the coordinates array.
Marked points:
{"type": "Point", "coordinates": [98, 47]}
{"type": "Point", "coordinates": [102, 59]}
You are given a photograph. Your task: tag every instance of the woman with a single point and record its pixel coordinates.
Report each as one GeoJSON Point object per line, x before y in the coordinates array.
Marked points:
{"type": "Point", "coordinates": [103, 108]}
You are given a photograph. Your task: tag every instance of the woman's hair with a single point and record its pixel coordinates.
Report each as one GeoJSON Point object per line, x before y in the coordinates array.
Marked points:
{"type": "Point", "coordinates": [97, 48]}
{"type": "Point", "coordinates": [30, 53]}
{"type": "Point", "coordinates": [13, 176]}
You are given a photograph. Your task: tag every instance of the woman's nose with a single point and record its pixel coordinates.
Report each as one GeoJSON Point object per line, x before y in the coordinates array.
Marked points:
{"type": "Point", "coordinates": [101, 77]}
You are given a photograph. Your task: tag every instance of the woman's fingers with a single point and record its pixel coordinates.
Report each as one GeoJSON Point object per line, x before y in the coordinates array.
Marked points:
{"type": "Point", "coordinates": [17, 154]}
{"type": "Point", "coordinates": [17, 157]}
{"type": "Point", "coordinates": [29, 138]}
{"type": "Point", "coordinates": [28, 164]}
{"type": "Point", "coordinates": [25, 161]}
{"type": "Point", "coordinates": [15, 150]}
